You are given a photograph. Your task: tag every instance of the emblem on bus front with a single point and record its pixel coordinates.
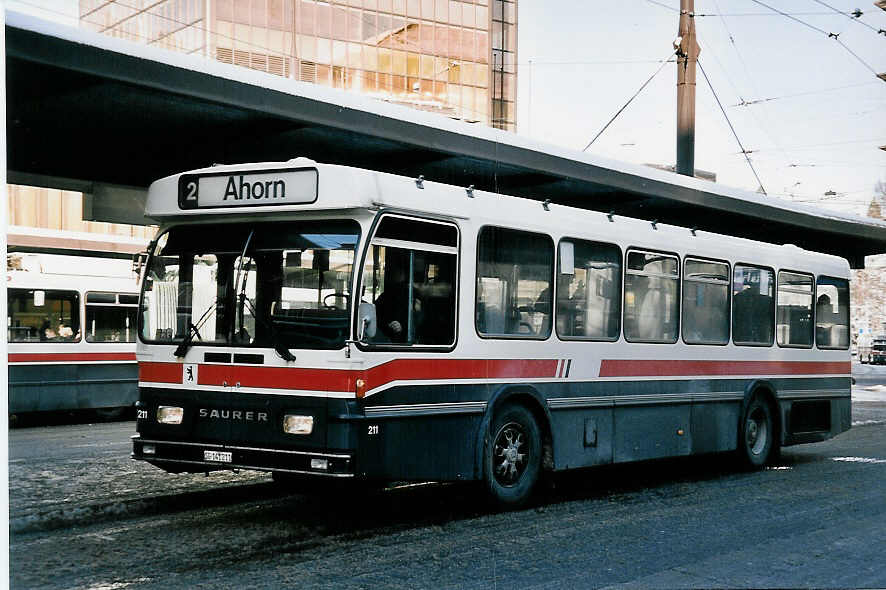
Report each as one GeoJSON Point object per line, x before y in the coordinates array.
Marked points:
{"type": "Point", "coordinates": [189, 374]}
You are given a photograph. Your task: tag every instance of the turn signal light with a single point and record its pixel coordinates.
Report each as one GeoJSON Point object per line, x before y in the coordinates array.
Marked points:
{"type": "Point", "coordinates": [360, 387]}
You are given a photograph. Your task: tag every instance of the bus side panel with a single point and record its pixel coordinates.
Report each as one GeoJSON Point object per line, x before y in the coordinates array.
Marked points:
{"type": "Point", "coordinates": [107, 385]}
{"type": "Point", "coordinates": [35, 388]}
{"type": "Point", "coordinates": [715, 426]}
{"type": "Point", "coordinates": [582, 437]}
{"type": "Point", "coordinates": [409, 433]}
{"type": "Point", "coordinates": [651, 432]}
{"type": "Point", "coordinates": [418, 448]}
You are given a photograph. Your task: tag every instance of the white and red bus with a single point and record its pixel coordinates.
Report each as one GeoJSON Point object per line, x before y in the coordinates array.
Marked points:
{"type": "Point", "coordinates": [71, 329]}
{"type": "Point", "coordinates": [330, 322]}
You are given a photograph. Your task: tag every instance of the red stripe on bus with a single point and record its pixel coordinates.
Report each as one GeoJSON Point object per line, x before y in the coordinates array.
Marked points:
{"type": "Point", "coordinates": [345, 380]}
{"type": "Point", "coordinates": [439, 369]}
{"type": "Point", "coordinates": [659, 368]}
{"type": "Point", "coordinates": [46, 357]}
{"type": "Point", "coordinates": [160, 372]}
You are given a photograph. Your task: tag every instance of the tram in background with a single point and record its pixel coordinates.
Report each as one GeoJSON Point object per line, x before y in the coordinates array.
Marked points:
{"type": "Point", "coordinates": [71, 329]}
{"type": "Point", "coordinates": [321, 321]}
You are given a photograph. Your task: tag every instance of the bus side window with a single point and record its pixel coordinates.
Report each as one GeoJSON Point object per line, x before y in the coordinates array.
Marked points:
{"type": "Point", "coordinates": [410, 277]}
{"type": "Point", "coordinates": [43, 316]}
{"type": "Point", "coordinates": [794, 309]}
{"type": "Point", "coordinates": [651, 310]}
{"type": "Point", "coordinates": [832, 313]}
{"type": "Point", "coordinates": [589, 293]}
{"type": "Point", "coordinates": [514, 283]}
{"type": "Point", "coordinates": [705, 302]}
{"type": "Point", "coordinates": [753, 305]}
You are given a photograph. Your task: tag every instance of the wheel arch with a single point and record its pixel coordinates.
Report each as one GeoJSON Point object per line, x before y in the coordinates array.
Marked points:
{"type": "Point", "coordinates": [532, 400]}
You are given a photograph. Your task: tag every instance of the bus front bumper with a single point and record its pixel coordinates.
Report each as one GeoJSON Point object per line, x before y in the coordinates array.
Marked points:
{"type": "Point", "coordinates": [194, 457]}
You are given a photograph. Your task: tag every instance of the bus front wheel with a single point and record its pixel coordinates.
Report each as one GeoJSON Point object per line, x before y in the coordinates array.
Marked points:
{"type": "Point", "coordinates": [512, 457]}
{"type": "Point", "coordinates": [757, 434]}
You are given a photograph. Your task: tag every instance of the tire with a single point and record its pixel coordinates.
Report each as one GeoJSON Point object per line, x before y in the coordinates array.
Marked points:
{"type": "Point", "coordinates": [757, 443]}
{"type": "Point", "coordinates": [512, 456]}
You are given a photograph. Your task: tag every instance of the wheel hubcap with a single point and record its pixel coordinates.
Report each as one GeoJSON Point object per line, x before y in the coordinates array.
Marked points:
{"type": "Point", "coordinates": [509, 455]}
{"type": "Point", "coordinates": [756, 431]}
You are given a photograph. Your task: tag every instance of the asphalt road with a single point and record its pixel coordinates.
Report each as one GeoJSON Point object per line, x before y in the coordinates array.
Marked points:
{"type": "Point", "coordinates": [85, 516]}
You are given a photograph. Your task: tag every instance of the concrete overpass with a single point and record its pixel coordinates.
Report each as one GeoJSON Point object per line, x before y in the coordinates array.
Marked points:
{"type": "Point", "coordinates": [96, 114]}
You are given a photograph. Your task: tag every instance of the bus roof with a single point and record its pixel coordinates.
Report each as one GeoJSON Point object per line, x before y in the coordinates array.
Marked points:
{"type": "Point", "coordinates": [327, 187]}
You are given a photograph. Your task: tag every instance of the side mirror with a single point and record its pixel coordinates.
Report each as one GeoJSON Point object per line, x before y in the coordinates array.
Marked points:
{"type": "Point", "coordinates": [366, 321]}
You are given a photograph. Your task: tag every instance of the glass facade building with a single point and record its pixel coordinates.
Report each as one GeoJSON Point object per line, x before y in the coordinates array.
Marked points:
{"type": "Point", "coordinates": [454, 57]}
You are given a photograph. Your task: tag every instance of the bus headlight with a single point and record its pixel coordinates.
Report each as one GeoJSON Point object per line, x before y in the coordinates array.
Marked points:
{"type": "Point", "coordinates": [170, 414]}
{"type": "Point", "coordinates": [293, 424]}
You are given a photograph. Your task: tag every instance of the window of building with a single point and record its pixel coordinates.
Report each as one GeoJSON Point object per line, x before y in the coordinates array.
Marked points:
{"type": "Point", "coordinates": [111, 317]}
{"type": "Point", "coordinates": [705, 302]}
{"type": "Point", "coordinates": [514, 283]}
{"type": "Point", "coordinates": [753, 305]}
{"type": "Point", "coordinates": [43, 315]}
{"type": "Point", "coordinates": [589, 290]}
{"type": "Point", "coordinates": [794, 310]}
{"type": "Point", "coordinates": [651, 308]}
{"type": "Point", "coordinates": [410, 276]}
{"type": "Point", "coordinates": [832, 313]}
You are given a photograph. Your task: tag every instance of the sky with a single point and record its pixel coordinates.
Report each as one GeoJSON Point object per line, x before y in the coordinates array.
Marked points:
{"type": "Point", "coordinates": [580, 61]}
{"type": "Point", "coordinates": [815, 137]}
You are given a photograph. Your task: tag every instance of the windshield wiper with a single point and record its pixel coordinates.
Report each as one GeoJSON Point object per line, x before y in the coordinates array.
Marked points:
{"type": "Point", "coordinates": [193, 330]}
{"type": "Point", "coordinates": [279, 347]}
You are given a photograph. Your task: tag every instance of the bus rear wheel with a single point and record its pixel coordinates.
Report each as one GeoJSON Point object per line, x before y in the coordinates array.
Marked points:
{"type": "Point", "coordinates": [757, 434]}
{"type": "Point", "coordinates": [512, 457]}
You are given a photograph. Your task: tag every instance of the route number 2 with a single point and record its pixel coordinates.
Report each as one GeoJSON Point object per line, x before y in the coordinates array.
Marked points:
{"type": "Point", "coordinates": [373, 429]}
{"type": "Point", "coordinates": [192, 192]}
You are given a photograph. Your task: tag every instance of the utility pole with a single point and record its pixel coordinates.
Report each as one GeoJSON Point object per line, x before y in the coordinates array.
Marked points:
{"type": "Point", "coordinates": [687, 54]}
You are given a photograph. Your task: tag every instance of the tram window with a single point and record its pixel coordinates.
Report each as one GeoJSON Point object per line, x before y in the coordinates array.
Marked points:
{"type": "Point", "coordinates": [753, 305]}
{"type": "Point", "coordinates": [410, 277]}
{"type": "Point", "coordinates": [794, 310]}
{"type": "Point", "coordinates": [832, 313]}
{"type": "Point", "coordinates": [514, 283]}
{"type": "Point", "coordinates": [651, 297]}
{"type": "Point", "coordinates": [705, 302]}
{"type": "Point", "coordinates": [589, 290]}
{"type": "Point", "coordinates": [36, 315]}
{"type": "Point", "coordinates": [109, 318]}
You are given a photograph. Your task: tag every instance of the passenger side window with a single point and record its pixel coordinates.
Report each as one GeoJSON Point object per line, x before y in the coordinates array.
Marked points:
{"type": "Point", "coordinates": [651, 297]}
{"type": "Point", "coordinates": [110, 317]}
{"type": "Point", "coordinates": [38, 315]}
{"type": "Point", "coordinates": [794, 311]}
{"type": "Point", "coordinates": [410, 277]}
{"type": "Point", "coordinates": [514, 283]}
{"type": "Point", "coordinates": [753, 305]}
{"type": "Point", "coordinates": [705, 302]}
{"type": "Point", "coordinates": [832, 313]}
{"type": "Point", "coordinates": [589, 290]}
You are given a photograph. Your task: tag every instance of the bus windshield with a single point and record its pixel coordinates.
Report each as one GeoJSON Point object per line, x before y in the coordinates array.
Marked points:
{"type": "Point", "coordinates": [267, 284]}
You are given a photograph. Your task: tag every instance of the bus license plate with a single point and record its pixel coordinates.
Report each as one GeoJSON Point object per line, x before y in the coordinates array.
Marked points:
{"type": "Point", "coordinates": [217, 456]}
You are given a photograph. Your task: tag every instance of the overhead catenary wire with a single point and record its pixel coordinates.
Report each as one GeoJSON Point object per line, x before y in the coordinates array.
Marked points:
{"type": "Point", "coordinates": [834, 36]}
{"type": "Point", "coordinates": [852, 18]}
{"type": "Point", "coordinates": [720, 104]}
{"type": "Point", "coordinates": [746, 103]}
{"type": "Point", "coordinates": [621, 110]}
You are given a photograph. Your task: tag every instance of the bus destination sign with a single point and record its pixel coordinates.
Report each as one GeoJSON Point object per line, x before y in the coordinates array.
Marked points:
{"type": "Point", "coordinates": [252, 189]}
